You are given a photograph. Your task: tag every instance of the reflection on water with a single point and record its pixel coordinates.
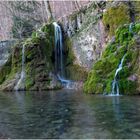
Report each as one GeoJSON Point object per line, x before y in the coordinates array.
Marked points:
{"type": "Point", "coordinates": [68, 114]}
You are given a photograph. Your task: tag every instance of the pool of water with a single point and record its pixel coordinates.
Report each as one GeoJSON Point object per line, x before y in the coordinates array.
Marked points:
{"type": "Point", "coordinates": [68, 114]}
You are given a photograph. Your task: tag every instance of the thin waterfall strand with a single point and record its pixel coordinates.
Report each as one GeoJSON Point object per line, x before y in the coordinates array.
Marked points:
{"type": "Point", "coordinates": [131, 27]}
{"type": "Point", "coordinates": [115, 86]}
{"type": "Point", "coordinates": [22, 75]}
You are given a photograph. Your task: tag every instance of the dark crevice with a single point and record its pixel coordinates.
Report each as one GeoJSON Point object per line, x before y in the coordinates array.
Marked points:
{"type": "Point", "coordinates": [131, 11]}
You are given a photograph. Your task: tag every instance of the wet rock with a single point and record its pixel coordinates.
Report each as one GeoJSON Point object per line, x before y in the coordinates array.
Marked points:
{"type": "Point", "coordinates": [132, 78]}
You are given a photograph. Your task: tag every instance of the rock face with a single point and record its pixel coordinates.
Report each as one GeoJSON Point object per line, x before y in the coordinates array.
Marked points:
{"type": "Point", "coordinates": [87, 46]}
{"type": "Point", "coordinates": [5, 50]}
{"type": "Point", "coordinates": [5, 59]}
{"type": "Point", "coordinates": [86, 31]}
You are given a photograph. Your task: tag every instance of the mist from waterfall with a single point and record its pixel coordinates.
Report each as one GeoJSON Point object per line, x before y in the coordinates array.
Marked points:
{"type": "Point", "coordinates": [21, 82]}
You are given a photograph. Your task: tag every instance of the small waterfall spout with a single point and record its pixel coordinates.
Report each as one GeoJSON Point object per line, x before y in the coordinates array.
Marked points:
{"type": "Point", "coordinates": [21, 82]}
{"type": "Point", "coordinates": [115, 87]}
{"type": "Point", "coordinates": [131, 27]}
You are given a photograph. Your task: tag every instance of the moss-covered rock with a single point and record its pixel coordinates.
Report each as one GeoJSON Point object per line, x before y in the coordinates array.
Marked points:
{"type": "Point", "coordinates": [116, 16]}
{"type": "Point", "coordinates": [5, 70]}
{"type": "Point", "coordinates": [69, 54]}
{"type": "Point", "coordinates": [76, 73]}
{"type": "Point", "coordinates": [136, 9]}
{"type": "Point", "coordinates": [73, 70]}
{"type": "Point", "coordinates": [102, 75]}
{"type": "Point", "coordinates": [38, 62]}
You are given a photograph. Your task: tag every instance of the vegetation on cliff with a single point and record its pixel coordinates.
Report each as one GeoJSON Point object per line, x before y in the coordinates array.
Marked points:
{"type": "Point", "coordinates": [116, 16]}
{"type": "Point", "coordinates": [102, 74]}
{"type": "Point", "coordinates": [39, 61]}
{"type": "Point", "coordinates": [73, 70]}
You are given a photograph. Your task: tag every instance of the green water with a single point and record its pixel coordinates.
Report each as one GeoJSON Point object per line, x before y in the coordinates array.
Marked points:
{"type": "Point", "coordinates": [68, 114]}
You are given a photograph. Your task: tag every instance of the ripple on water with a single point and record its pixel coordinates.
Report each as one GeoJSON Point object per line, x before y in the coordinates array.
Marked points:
{"type": "Point", "coordinates": [68, 114]}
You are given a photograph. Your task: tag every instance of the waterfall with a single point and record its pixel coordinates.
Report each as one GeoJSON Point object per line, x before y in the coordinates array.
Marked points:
{"type": "Point", "coordinates": [115, 86]}
{"type": "Point", "coordinates": [59, 63]}
{"type": "Point", "coordinates": [21, 81]}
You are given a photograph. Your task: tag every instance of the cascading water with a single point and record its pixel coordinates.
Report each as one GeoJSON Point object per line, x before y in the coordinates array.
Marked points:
{"type": "Point", "coordinates": [58, 50]}
{"type": "Point", "coordinates": [59, 63]}
{"type": "Point", "coordinates": [115, 87]}
{"type": "Point", "coordinates": [21, 81]}
{"type": "Point", "coordinates": [131, 27]}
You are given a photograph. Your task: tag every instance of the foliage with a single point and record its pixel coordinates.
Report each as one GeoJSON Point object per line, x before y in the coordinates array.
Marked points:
{"type": "Point", "coordinates": [102, 74]}
{"type": "Point", "coordinates": [38, 58]}
{"type": "Point", "coordinates": [116, 16]}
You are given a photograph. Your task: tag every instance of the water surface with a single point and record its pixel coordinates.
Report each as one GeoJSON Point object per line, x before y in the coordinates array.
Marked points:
{"type": "Point", "coordinates": [68, 114]}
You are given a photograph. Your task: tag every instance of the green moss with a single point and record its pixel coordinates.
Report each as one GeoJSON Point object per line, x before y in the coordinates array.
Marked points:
{"type": "Point", "coordinates": [136, 27]}
{"type": "Point", "coordinates": [116, 16]}
{"type": "Point", "coordinates": [90, 84]}
{"type": "Point", "coordinates": [136, 5]}
{"type": "Point", "coordinates": [70, 57]}
{"type": "Point", "coordinates": [127, 87]}
{"type": "Point", "coordinates": [104, 70]}
{"type": "Point", "coordinates": [29, 83]}
{"type": "Point", "coordinates": [123, 35]}
{"type": "Point", "coordinates": [38, 59]}
{"type": "Point", "coordinates": [124, 73]}
{"type": "Point", "coordinates": [108, 86]}
{"type": "Point", "coordinates": [111, 48]}
{"type": "Point", "coordinates": [75, 72]}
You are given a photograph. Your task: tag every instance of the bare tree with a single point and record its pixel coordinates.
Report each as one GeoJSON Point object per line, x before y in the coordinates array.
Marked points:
{"type": "Point", "coordinates": [48, 9]}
